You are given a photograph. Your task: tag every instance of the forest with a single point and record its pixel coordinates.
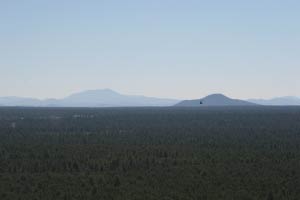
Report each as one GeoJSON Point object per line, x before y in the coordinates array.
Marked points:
{"type": "Point", "coordinates": [213, 153]}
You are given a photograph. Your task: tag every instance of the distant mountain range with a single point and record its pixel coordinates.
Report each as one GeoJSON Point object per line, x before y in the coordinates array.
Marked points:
{"type": "Point", "coordinates": [279, 101]}
{"type": "Point", "coordinates": [90, 98]}
{"type": "Point", "coordinates": [214, 100]}
{"type": "Point", "coordinates": [110, 98]}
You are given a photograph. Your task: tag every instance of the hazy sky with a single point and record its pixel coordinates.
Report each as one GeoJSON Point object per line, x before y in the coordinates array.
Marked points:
{"type": "Point", "coordinates": [165, 48]}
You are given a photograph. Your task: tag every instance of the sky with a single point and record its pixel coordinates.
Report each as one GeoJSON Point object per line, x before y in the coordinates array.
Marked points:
{"type": "Point", "coordinates": [180, 49]}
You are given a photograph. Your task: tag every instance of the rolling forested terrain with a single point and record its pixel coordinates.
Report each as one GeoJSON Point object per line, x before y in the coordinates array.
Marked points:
{"type": "Point", "coordinates": [233, 153]}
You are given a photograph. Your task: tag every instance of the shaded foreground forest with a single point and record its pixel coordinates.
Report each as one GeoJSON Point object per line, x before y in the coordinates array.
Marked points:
{"type": "Point", "coordinates": [236, 153]}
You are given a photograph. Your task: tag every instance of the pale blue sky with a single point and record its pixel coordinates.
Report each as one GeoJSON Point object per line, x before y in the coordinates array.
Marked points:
{"type": "Point", "coordinates": [166, 48]}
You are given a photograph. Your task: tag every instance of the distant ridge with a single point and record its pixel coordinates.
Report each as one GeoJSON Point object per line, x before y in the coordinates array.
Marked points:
{"type": "Point", "coordinates": [214, 100]}
{"type": "Point", "coordinates": [279, 101]}
{"type": "Point", "coordinates": [90, 98]}
{"type": "Point", "coordinates": [111, 98]}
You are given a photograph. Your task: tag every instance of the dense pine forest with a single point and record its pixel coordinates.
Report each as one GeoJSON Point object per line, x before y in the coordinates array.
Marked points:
{"type": "Point", "coordinates": [218, 153]}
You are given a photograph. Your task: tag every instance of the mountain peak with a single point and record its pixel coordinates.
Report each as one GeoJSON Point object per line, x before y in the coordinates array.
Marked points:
{"type": "Point", "coordinates": [99, 93]}
{"type": "Point", "coordinates": [217, 95]}
{"type": "Point", "coordinates": [105, 90]}
{"type": "Point", "coordinates": [214, 100]}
